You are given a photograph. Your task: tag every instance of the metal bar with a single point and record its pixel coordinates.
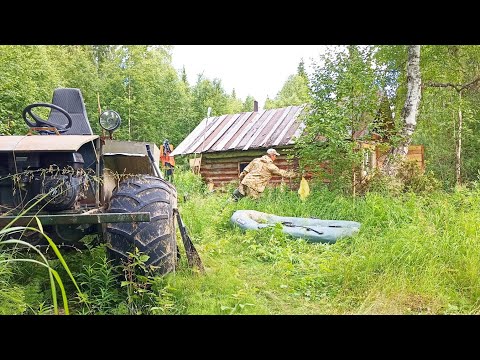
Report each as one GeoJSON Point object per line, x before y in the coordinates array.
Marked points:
{"type": "Point", "coordinates": [64, 219]}
{"type": "Point", "coordinates": [96, 144]}
{"type": "Point", "coordinates": [155, 167]}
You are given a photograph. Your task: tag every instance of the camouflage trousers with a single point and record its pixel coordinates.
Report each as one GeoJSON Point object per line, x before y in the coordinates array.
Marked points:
{"type": "Point", "coordinates": [248, 191]}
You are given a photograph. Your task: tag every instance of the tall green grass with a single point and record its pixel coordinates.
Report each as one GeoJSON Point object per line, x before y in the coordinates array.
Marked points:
{"type": "Point", "coordinates": [414, 254]}
{"type": "Point", "coordinates": [8, 238]}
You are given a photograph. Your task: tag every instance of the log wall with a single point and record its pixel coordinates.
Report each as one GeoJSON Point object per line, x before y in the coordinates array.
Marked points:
{"type": "Point", "coordinates": [415, 153]}
{"type": "Point", "coordinates": [223, 169]}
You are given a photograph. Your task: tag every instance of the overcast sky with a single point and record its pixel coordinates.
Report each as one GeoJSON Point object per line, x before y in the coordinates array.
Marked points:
{"type": "Point", "coordinates": [256, 70]}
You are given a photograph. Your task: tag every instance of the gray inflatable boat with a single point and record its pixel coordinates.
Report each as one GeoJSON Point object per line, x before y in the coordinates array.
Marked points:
{"type": "Point", "coordinates": [310, 229]}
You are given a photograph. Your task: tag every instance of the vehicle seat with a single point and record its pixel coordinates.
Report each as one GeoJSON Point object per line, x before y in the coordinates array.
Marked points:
{"type": "Point", "coordinates": [71, 100]}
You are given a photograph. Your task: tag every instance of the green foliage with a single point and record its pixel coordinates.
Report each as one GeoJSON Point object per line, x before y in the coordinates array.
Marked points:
{"type": "Point", "coordinates": [248, 104]}
{"type": "Point", "coordinates": [438, 118]}
{"type": "Point", "coordinates": [295, 91]}
{"type": "Point", "coordinates": [413, 179]}
{"type": "Point", "coordinates": [301, 70]}
{"type": "Point", "coordinates": [410, 179]}
{"type": "Point", "coordinates": [187, 183]}
{"type": "Point", "coordinates": [138, 81]}
{"type": "Point", "coordinates": [207, 94]}
{"type": "Point", "coordinates": [437, 123]}
{"type": "Point", "coordinates": [99, 283]}
{"type": "Point", "coordinates": [346, 95]}
{"type": "Point", "coordinates": [234, 105]}
{"type": "Point", "coordinates": [417, 249]}
{"type": "Point", "coordinates": [28, 75]}
{"type": "Point", "coordinates": [12, 297]}
{"type": "Point", "coordinates": [7, 239]}
{"type": "Point", "coordinates": [138, 281]}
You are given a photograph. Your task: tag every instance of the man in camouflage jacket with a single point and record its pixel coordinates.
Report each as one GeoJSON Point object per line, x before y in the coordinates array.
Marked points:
{"type": "Point", "coordinates": [256, 175]}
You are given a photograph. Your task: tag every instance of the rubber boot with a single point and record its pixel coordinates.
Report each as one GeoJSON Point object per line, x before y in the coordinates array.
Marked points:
{"type": "Point", "coordinates": [236, 195]}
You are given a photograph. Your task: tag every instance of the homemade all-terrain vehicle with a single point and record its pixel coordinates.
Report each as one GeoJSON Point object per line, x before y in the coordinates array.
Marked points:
{"type": "Point", "coordinates": [77, 183]}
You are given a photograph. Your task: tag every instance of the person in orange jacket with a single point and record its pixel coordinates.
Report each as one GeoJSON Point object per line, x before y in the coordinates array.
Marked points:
{"type": "Point", "coordinates": [168, 161]}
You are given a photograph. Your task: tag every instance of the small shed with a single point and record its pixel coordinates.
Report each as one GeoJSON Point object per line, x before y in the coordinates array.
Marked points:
{"type": "Point", "coordinates": [223, 145]}
{"type": "Point", "coordinates": [220, 147]}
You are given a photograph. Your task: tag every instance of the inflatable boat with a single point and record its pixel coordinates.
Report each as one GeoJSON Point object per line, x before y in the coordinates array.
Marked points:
{"type": "Point", "coordinates": [310, 229]}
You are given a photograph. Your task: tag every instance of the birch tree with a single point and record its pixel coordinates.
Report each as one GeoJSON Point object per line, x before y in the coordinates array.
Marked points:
{"type": "Point", "coordinates": [409, 112]}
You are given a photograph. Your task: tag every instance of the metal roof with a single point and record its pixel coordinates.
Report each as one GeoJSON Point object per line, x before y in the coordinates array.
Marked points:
{"type": "Point", "coordinates": [244, 131]}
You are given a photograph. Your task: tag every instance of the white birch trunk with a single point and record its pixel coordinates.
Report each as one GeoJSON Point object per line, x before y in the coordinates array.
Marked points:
{"type": "Point", "coordinates": [409, 111]}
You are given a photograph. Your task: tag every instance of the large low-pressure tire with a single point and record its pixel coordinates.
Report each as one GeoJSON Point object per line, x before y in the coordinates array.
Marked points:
{"type": "Point", "coordinates": [156, 238]}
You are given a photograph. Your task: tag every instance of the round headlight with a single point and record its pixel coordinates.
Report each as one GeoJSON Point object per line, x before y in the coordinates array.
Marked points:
{"type": "Point", "coordinates": [110, 120]}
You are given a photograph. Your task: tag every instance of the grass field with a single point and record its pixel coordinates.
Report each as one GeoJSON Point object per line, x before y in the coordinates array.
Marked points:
{"type": "Point", "coordinates": [414, 254]}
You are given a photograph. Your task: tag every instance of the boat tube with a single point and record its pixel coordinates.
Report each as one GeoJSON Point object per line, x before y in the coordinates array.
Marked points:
{"type": "Point", "coordinates": [310, 229]}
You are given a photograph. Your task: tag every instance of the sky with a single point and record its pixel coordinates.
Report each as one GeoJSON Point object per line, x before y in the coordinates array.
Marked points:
{"type": "Point", "coordinates": [256, 70]}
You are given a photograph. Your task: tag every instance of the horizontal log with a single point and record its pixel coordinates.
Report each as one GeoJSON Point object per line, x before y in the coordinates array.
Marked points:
{"type": "Point", "coordinates": [279, 160]}
{"type": "Point", "coordinates": [218, 178]}
{"type": "Point", "coordinates": [213, 173]}
{"type": "Point", "coordinates": [277, 180]}
{"type": "Point", "coordinates": [239, 153]}
{"type": "Point", "coordinates": [220, 166]}
{"type": "Point", "coordinates": [235, 167]}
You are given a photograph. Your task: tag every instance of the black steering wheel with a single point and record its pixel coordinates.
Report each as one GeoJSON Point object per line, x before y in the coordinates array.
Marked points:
{"type": "Point", "coordinates": [39, 122]}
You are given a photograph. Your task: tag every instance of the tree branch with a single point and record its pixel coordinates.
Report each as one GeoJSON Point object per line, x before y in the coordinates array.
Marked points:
{"type": "Point", "coordinates": [457, 87]}
{"type": "Point", "coordinates": [435, 84]}
{"type": "Point", "coordinates": [470, 84]}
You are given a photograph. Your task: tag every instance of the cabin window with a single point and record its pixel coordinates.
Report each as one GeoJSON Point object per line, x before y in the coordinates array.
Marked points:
{"type": "Point", "coordinates": [242, 166]}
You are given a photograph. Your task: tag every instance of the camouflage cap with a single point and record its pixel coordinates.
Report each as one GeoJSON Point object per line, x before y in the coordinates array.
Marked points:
{"type": "Point", "coordinates": [272, 152]}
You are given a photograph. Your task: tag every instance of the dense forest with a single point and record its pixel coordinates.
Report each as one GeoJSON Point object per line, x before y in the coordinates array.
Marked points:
{"type": "Point", "coordinates": [416, 253]}
{"type": "Point", "coordinates": [139, 82]}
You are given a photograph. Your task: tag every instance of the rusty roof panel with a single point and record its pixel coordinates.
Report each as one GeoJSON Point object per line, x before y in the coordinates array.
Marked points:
{"type": "Point", "coordinates": [220, 131]}
{"type": "Point", "coordinates": [255, 130]}
{"type": "Point", "coordinates": [293, 132]}
{"type": "Point", "coordinates": [268, 128]}
{"type": "Point", "coordinates": [34, 143]}
{"type": "Point", "coordinates": [278, 129]}
{"type": "Point", "coordinates": [279, 137]}
{"type": "Point", "coordinates": [229, 136]}
{"type": "Point", "coordinates": [246, 130]}
{"type": "Point", "coordinates": [209, 127]}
